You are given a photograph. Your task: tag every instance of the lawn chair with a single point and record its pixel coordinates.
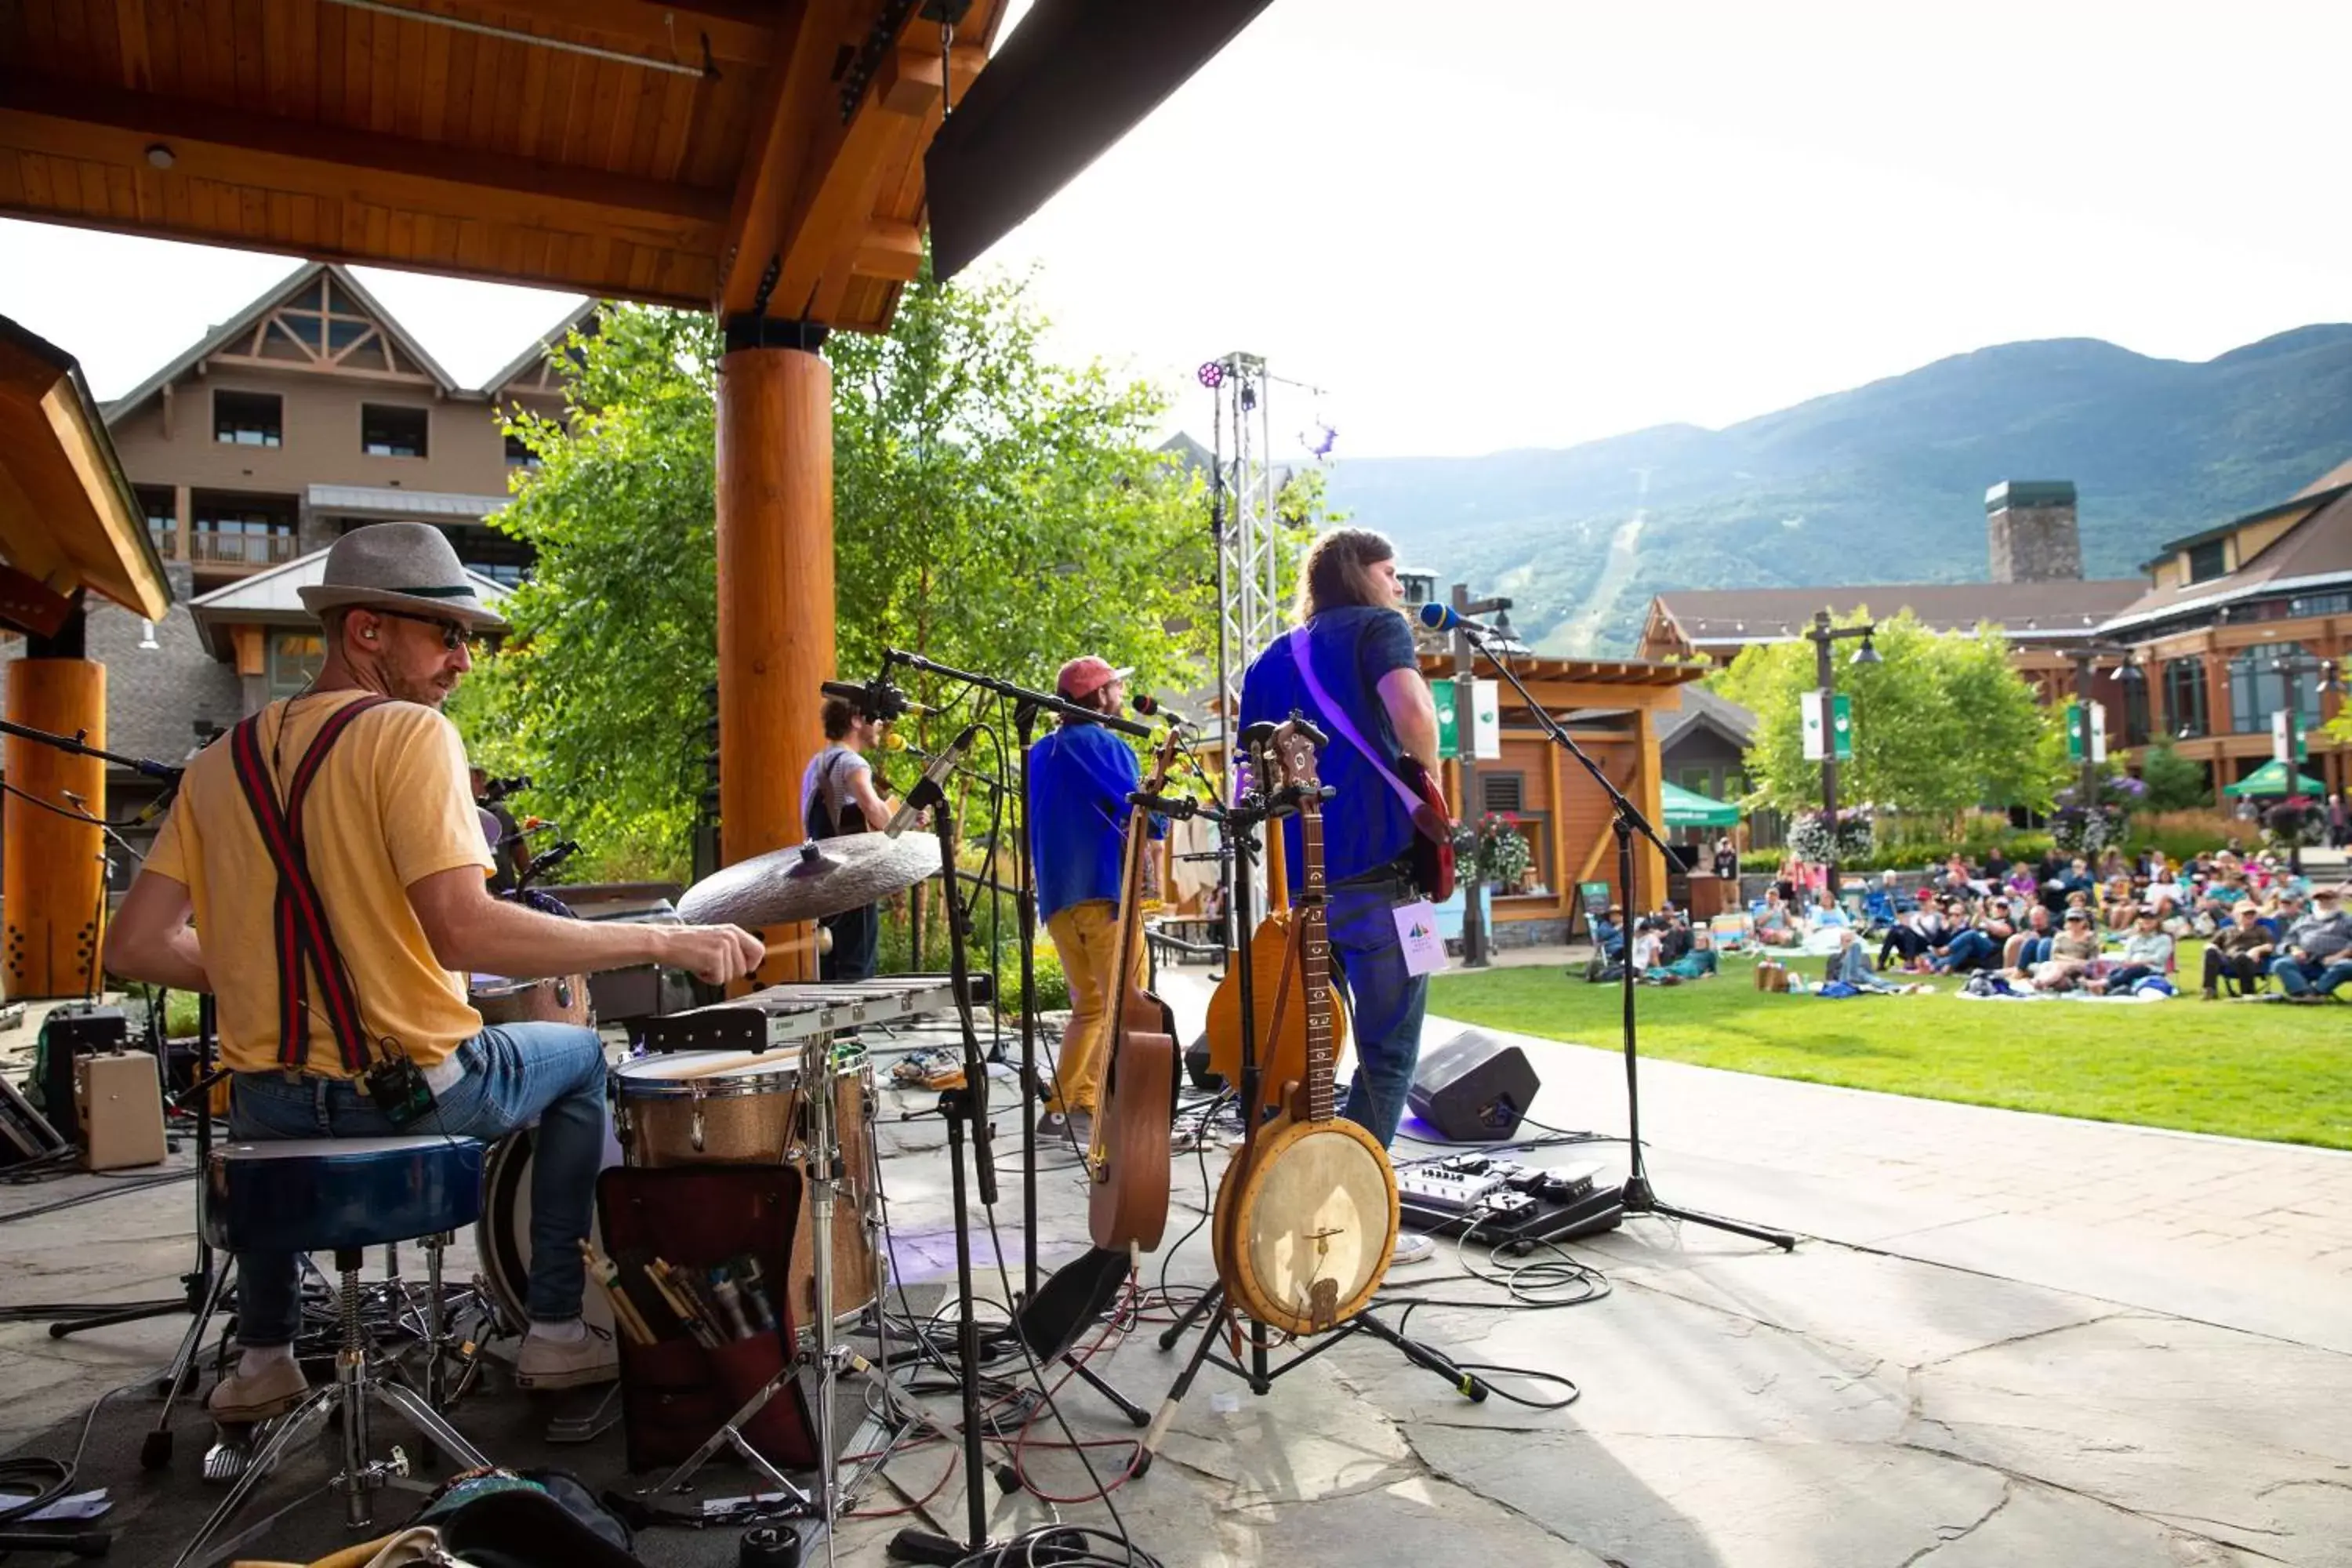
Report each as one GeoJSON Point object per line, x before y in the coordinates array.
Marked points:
{"type": "Point", "coordinates": [1878, 911]}
{"type": "Point", "coordinates": [1731, 933]}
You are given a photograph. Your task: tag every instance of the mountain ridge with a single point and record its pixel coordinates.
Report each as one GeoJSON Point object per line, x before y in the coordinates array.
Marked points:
{"type": "Point", "coordinates": [1883, 481]}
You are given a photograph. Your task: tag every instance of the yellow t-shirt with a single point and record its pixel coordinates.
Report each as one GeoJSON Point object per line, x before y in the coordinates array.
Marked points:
{"type": "Point", "coordinates": [389, 807]}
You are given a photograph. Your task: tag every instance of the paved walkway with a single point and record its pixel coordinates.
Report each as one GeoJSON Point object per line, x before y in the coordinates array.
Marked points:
{"type": "Point", "coordinates": [2007, 1338]}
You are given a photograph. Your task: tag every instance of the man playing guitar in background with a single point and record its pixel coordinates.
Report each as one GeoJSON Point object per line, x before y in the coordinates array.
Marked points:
{"type": "Point", "coordinates": [1351, 603]}
{"type": "Point", "coordinates": [362, 773]}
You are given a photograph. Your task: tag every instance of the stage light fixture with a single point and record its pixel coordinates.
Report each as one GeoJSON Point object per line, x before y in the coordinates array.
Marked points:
{"type": "Point", "coordinates": [1212, 374]}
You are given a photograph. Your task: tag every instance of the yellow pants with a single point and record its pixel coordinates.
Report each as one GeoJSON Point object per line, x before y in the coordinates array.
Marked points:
{"type": "Point", "coordinates": [1086, 937]}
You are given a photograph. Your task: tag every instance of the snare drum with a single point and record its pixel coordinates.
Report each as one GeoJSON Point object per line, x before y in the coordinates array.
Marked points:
{"type": "Point", "coordinates": [563, 999]}
{"type": "Point", "coordinates": [502, 1238]}
{"type": "Point", "coordinates": [743, 1108]}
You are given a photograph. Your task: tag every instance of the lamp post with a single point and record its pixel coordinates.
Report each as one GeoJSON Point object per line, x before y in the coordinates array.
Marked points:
{"type": "Point", "coordinates": [1822, 635]}
{"type": "Point", "coordinates": [2289, 665]}
{"type": "Point", "coordinates": [2086, 660]}
{"type": "Point", "coordinates": [1475, 949]}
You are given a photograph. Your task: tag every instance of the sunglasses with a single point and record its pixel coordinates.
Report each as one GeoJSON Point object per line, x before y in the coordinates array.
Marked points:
{"type": "Point", "coordinates": [453, 636]}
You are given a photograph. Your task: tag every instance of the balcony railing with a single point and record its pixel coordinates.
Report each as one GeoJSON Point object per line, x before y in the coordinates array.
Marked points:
{"type": "Point", "coordinates": [241, 548]}
{"type": "Point", "coordinates": [167, 542]}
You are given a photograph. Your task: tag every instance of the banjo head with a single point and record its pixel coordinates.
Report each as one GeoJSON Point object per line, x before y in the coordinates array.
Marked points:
{"type": "Point", "coordinates": [1313, 1227]}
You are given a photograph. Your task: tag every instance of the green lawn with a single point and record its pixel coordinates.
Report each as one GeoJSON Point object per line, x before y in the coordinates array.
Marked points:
{"type": "Point", "coordinates": [2269, 1071]}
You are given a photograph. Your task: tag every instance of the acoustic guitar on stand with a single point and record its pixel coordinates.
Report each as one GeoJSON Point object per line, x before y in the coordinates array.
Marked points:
{"type": "Point", "coordinates": [1306, 1220]}
{"type": "Point", "coordinates": [1126, 1164]}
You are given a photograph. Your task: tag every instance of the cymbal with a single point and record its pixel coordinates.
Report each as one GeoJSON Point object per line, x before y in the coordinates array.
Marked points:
{"type": "Point", "coordinates": [808, 881]}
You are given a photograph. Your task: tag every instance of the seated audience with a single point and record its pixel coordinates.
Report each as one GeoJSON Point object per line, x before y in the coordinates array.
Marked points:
{"type": "Point", "coordinates": [1698, 963]}
{"type": "Point", "coordinates": [2071, 953]}
{"type": "Point", "coordinates": [2030, 945]}
{"type": "Point", "coordinates": [1775, 927]}
{"type": "Point", "coordinates": [1851, 965]}
{"type": "Point", "coordinates": [2315, 954]}
{"type": "Point", "coordinates": [2239, 953]}
{"type": "Point", "coordinates": [2147, 951]}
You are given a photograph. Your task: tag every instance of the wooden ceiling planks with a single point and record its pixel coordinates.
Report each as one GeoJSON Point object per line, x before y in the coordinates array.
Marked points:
{"type": "Point", "coordinates": [349, 134]}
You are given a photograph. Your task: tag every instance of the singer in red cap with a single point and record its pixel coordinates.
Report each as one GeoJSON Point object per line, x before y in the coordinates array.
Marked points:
{"type": "Point", "coordinates": [1080, 776]}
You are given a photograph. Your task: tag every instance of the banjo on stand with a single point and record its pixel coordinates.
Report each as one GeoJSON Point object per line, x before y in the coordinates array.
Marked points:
{"type": "Point", "coordinates": [1306, 1218]}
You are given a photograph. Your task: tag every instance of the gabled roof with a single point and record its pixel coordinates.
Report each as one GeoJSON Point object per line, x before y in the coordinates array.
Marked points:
{"type": "Point", "coordinates": [2305, 502]}
{"type": "Point", "coordinates": [1702, 709]}
{"type": "Point", "coordinates": [381, 503]}
{"type": "Point", "coordinates": [262, 304]}
{"type": "Point", "coordinates": [2317, 553]}
{"type": "Point", "coordinates": [579, 316]}
{"type": "Point", "coordinates": [273, 597]}
{"type": "Point", "coordinates": [1734, 617]}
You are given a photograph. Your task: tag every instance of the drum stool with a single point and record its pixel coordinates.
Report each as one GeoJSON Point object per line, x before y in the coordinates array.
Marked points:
{"type": "Point", "coordinates": [343, 1195]}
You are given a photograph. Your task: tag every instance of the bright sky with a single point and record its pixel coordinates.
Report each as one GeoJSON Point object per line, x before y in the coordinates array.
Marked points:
{"type": "Point", "coordinates": [1516, 223]}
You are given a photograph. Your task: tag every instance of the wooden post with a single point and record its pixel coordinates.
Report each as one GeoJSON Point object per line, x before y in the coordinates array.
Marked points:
{"type": "Point", "coordinates": [52, 876]}
{"type": "Point", "coordinates": [1649, 865]}
{"type": "Point", "coordinates": [184, 519]}
{"type": "Point", "coordinates": [776, 602]}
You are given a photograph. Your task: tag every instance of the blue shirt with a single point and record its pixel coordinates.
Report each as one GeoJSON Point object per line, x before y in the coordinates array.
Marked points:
{"type": "Point", "coordinates": [1080, 778]}
{"type": "Point", "coordinates": [1365, 826]}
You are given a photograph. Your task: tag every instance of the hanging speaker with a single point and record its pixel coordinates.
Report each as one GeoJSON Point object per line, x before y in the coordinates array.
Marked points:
{"type": "Point", "coordinates": [1473, 1088]}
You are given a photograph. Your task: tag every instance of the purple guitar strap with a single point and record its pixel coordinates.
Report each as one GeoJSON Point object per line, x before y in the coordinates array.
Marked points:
{"type": "Point", "coordinates": [1336, 717]}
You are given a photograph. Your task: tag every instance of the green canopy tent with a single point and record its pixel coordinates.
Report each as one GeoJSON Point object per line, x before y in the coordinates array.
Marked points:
{"type": "Point", "coordinates": [2268, 778]}
{"type": "Point", "coordinates": [1688, 808]}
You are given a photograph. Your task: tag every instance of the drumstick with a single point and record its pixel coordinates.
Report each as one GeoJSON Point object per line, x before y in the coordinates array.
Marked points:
{"type": "Point", "coordinates": [822, 942]}
{"type": "Point", "coordinates": [608, 1280]}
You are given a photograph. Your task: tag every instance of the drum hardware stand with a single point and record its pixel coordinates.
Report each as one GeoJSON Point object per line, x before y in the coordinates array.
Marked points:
{"type": "Point", "coordinates": [1241, 820]}
{"type": "Point", "coordinates": [1637, 1195]}
{"type": "Point", "coordinates": [1027, 705]}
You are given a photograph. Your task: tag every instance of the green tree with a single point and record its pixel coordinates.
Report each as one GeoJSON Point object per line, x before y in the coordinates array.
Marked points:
{"type": "Point", "coordinates": [993, 511]}
{"type": "Point", "coordinates": [2174, 781]}
{"type": "Point", "coordinates": [1941, 723]}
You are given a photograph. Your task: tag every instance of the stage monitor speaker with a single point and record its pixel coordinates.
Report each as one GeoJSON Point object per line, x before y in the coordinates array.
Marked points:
{"type": "Point", "coordinates": [1196, 1067]}
{"type": "Point", "coordinates": [1473, 1088]}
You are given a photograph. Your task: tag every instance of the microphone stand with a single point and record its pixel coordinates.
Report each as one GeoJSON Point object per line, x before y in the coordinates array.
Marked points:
{"type": "Point", "coordinates": [1637, 1198]}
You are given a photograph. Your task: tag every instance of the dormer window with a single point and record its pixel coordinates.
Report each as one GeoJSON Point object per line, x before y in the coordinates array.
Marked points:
{"type": "Point", "coordinates": [2209, 560]}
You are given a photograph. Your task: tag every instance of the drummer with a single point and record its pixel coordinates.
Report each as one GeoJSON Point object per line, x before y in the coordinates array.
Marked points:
{"type": "Point", "coordinates": [381, 1039]}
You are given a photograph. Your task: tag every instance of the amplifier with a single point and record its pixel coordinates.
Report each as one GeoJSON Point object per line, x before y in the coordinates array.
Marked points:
{"type": "Point", "coordinates": [121, 1102]}
{"type": "Point", "coordinates": [70, 1031]}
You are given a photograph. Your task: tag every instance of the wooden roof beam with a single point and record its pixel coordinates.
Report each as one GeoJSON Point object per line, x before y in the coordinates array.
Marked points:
{"type": "Point", "coordinates": [112, 127]}
{"type": "Point", "coordinates": [671, 30]}
{"type": "Point", "coordinates": [787, 121]}
{"type": "Point", "coordinates": [896, 115]}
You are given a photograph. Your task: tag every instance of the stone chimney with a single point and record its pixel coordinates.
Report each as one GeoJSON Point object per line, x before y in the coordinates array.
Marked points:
{"type": "Point", "coordinates": [2030, 524]}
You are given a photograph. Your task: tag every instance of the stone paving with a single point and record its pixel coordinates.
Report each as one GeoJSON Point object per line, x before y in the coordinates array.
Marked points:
{"type": "Point", "coordinates": [2006, 1339]}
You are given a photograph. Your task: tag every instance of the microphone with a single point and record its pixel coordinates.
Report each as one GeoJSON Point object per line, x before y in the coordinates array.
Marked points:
{"type": "Point", "coordinates": [1150, 707]}
{"type": "Point", "coordinates": [933, 786]}
{"type": "Point", "coordinates": [1440, 618]}
{"type": "Point", "coordinates": [878, 698]}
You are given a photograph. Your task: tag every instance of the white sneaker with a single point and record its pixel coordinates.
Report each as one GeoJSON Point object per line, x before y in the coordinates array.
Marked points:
{"type": "Point", "coordinates": [1413, 1247]}
{"type": "Point", "coordinates": [544, 1363]}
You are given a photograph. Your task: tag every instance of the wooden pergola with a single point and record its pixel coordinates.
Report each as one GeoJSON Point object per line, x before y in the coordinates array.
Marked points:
{"type": "Point", "coordinates": [1610, 706]}
{"type": "Point", "coordinates": [767, 160]}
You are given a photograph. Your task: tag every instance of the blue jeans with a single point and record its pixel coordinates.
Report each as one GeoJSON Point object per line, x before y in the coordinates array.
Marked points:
{"type": "Point", "coordinates": [2302, 977]}
{"type": "Point", "coordinates": [516, 1074]}
{"type": "Point", "coordinates": [2035, 951]}
{"type": "Point", "coordinates": [1970, 949]}
{"type": "Point", "coordinates": [1388, 1003]}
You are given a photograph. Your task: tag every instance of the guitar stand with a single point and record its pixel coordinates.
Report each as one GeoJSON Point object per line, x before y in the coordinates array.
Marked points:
{"type": "Point", "coordinates": [1242, 819]}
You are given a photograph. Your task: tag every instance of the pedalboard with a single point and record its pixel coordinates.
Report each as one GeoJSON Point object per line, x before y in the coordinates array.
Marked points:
{"type": "Point", "coordinates": [1506, 1205]}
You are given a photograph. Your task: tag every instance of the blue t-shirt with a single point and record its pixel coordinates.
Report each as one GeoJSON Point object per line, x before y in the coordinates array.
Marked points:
{"type": "Point", "coordinates": [1080, 778]}
{"type": "Point", "coordinates": [1365, 826]}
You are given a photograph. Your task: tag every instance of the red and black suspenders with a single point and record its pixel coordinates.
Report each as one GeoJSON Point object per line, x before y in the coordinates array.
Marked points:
{"type": "Point", "coordinates": [300, 917]}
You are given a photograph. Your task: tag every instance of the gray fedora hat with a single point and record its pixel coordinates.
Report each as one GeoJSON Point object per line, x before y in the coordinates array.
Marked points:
{"type": "Point", "coordinates": [404, 566]}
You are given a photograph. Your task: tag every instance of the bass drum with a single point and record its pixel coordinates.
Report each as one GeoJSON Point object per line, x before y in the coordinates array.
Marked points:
{"type": "Point", "coordinates": [502, 1237]}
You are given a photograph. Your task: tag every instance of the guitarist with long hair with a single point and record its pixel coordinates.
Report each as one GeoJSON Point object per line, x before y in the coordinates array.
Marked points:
{"type": "Point", "coordinates": [1351, 605]}
{"type": "Point", "coordinates": [1080, 776]}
